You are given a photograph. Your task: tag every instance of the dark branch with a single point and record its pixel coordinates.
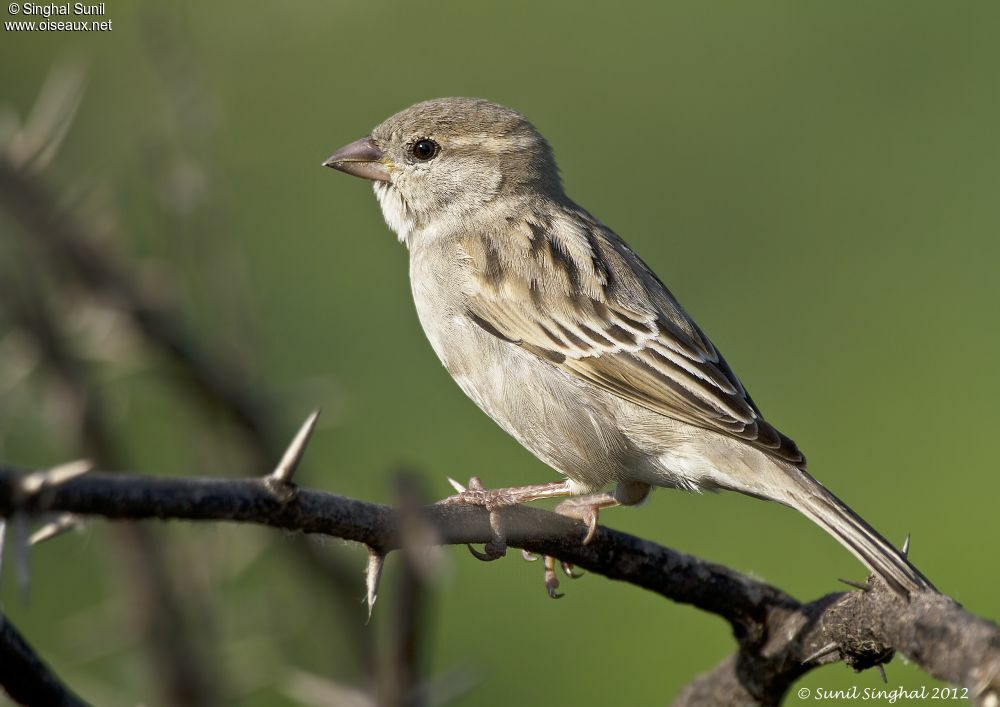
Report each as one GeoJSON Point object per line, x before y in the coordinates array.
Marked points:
{"type": "Point", "coordinates": [776, 633]}
{"type": "Point", "coordinates": [25, 677]}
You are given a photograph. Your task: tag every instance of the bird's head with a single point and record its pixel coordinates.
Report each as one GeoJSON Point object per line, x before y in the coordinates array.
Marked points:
{"type": "Point", "coordinates": [450, 158]}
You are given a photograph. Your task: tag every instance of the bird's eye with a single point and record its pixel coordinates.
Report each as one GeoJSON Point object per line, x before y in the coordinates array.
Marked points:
{"type": "Point", "coordinates": [424, 149]}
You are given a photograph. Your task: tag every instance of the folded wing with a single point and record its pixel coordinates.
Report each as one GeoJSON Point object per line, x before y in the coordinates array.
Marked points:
{"type": "Point", "coordinates": [597, 312]}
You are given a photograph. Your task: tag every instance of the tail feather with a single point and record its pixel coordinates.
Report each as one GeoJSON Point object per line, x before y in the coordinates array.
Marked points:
{"type": "Point", "coordinates": [826, 510]}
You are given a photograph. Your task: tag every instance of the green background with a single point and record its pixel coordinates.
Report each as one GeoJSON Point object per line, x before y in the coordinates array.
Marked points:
{"type": "Point", "coordinates": [815, 181]}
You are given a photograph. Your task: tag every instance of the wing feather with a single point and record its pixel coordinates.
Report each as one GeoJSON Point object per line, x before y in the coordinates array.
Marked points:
{"type": "Point", "coordinates": [599, 313]}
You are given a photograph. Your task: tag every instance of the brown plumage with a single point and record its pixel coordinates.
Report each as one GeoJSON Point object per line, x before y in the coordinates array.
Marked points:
{"type": "Point", "coordinates": [600, 314]}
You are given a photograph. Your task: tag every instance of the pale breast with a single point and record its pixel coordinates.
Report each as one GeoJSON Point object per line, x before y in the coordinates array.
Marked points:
{"type": "Point", "coordinates": [555, 417]}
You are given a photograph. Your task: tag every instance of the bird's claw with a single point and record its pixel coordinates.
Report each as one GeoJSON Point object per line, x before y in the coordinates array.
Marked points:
{"type": "Point", "coordinates": [551, 580]}
{"type": "Point", "coordinates": [497, 546]}
{"type": "Point", "coordinates": [589, 513]}
{"type": "Point", "coordinates": [491, 551]}
{"type": "Point", "coordinates": [570, 571]}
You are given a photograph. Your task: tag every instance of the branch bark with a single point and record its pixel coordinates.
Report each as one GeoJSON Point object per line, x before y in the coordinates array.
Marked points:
{"type": "Point", "coordinates": [777, 634]}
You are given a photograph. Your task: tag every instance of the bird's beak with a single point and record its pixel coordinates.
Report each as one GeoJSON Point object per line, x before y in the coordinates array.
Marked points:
{"type": "Point", "coordinates": [362, 158]}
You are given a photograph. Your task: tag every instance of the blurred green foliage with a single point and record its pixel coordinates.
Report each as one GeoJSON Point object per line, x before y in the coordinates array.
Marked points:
{"type": "Point", "coordinates": [816, 181]}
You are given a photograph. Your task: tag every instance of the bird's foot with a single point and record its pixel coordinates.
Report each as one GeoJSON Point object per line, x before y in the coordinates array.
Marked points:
{"type": "Point", "coordinates": [551, 578]}
{"type": "Point", "coordinates": [494, 501]}
{"type": "Point", "coordinates": [587, 509]}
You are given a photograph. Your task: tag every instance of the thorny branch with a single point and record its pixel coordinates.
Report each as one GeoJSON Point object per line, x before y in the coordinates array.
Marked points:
{"type": "Point", "coordinates": [212, 379]}
{"type": "Point", "coordinates": [68, 243]}
{"type": "Point", "coordinates": [780, 638]}
{"type": "Point", "coordinates": [159, 613]}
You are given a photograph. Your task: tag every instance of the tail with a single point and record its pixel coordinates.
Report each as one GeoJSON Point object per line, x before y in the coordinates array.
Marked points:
{"type": "Point", "coordinates": [810, 498]}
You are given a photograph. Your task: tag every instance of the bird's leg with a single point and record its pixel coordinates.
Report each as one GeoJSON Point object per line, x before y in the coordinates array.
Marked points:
{"type": "Point", "coordinates": [587, 509]}
{"type": "Point", "coordinates": [494, 501]}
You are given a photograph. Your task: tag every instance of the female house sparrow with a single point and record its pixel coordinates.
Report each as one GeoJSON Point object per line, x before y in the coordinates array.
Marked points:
{"type": "Point", "coordinates": [559, 332]}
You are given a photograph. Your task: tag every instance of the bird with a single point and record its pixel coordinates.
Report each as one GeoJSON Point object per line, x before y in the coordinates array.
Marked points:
{"type": "Point", "coordinates": [558, 331]}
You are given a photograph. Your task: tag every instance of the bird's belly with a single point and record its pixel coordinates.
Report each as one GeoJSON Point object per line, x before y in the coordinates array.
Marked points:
{"type": "Point", "coordinates": [553, 420]}
{"type": "Point", "coordinates": [541, 407]}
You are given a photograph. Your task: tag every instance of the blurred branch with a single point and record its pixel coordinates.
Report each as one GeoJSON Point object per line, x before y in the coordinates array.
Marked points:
{"type": "Point", "coordinates": [218, 384]}
{"type": "Point", "coordinates": [158, 611]}
{"type": "Point", "coordinates": [35, 143]}
{"type": "Point", "coordinates": [66, 240]}
{"type": "Point", "coordinates": [400, 684]}
{"type": "Point", "coordinates": [25, 677]}
{"type": "Point", "coordinates": [780, 638]}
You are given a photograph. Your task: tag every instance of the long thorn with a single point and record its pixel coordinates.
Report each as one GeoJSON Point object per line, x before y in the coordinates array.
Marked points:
{"type": "Point", "coordinates": [881, 670]}
{"type": "Point", "coordinates": [906, 547]}
{"type": "Point", "coordinates": [33, 482]}
{"type": "Point", "coordinates": [455, 485]}
{"type": "Point", "coordinates": [373, 575]}
{"type": "Point", "coordinates": [62, 524]}
{"type": "Point", "coordinates": [821, 653]}
{"type": "Point", "coordinates": [293, 455]}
